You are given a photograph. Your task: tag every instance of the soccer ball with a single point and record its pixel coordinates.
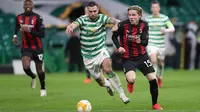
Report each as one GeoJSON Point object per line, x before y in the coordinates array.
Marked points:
{"type": "Point", "coordinates": [84, 106]}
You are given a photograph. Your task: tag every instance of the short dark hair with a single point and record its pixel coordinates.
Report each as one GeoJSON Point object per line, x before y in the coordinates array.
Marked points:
{"type": "Point", "coordinates": [28, 0]}
{"type": "Point", "coordinates": [155, 2]}
{"type": "Point", "coordinates": [92, 4]}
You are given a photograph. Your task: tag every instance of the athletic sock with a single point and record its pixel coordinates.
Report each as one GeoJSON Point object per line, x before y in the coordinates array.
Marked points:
{"type": "Point", "coordinates": [154, 91]}
{"type": "Point", "coordinates": [42, 79]}
{"type": "Point", "coordinates": [115, 81]}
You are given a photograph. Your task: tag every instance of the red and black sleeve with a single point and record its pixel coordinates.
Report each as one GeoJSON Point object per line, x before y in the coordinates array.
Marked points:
{"type": "Point", "coordinates": [145, 35]}
{"type": "Point", "coordinates": [40, 28]}
{"type": "Point", "coordinates": [17, 26]}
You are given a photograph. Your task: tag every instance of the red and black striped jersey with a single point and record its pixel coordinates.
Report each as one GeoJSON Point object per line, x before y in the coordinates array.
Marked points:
{"type": "Point", "coordinates": [127, 33]}
{"type": "Point", "coordinates": [31, 40]}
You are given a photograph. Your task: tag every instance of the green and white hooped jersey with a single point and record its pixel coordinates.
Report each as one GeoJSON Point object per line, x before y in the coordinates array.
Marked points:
{"type": "Point", "coordinates": [156, 37]}
{"type": "Point", "coordinates": [92, 34]}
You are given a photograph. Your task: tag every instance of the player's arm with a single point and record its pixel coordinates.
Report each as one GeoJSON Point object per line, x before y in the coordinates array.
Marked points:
{"type": "Point", "coordinates": [111, 20]}
{"type": "Point", "coordinates": [114, 39]}
{"type": "Point", "coordinates": [70, 28]}
{"type": "Point", "coordinates": [77, 23]}
{"type": "Point", "coordinates": [170, 26]}
{"type": "Point", "coordinates": [17, 27]}
{"type": "Point", "coordinates": [40, 28]}
{"type": "Point", "coordinates": [116, 34]}
{"type": "Point", "coordinates": [145, 35]}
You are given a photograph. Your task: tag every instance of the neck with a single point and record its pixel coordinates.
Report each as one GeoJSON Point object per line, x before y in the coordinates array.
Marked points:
{"type": "Point", "coordinates": [156, 15]}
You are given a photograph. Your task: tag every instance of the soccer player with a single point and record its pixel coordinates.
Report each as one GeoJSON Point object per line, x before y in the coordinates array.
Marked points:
{"type": "Point", "coordinates": [159, 24]}
{"type": "Point", "coordinates": [32, 30]}
{"type": "Point", "coordinates": [133, 34]}
{"type": "Point", "coordinates": [94, 50]}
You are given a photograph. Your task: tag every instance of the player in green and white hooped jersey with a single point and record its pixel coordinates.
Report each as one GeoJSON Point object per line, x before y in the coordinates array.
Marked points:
{"type": "Point", "coordinates": [159, 24]}
{"type": "Point", "coordinates": [93, 48]}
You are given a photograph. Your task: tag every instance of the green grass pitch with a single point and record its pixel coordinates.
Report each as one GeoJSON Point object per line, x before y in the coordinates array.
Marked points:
{"type": "Point", "coordinates": [180, 92]}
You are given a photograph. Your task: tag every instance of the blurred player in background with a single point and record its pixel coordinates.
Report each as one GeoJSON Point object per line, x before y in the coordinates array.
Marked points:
{"type": "Point", "coordinates": [32, 29]}
{"type": "Point", "coordinates": [133, 34]}
{"type": "Point", "coordinates": [94, 50]}
{"type": "Point", "coordinates": [159, 24]}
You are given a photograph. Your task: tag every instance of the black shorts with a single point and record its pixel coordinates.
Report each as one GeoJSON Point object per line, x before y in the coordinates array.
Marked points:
{"type": "Point", "coordinates": [143, 64]}
{"type": "Point", "coordinates": [36, 56]}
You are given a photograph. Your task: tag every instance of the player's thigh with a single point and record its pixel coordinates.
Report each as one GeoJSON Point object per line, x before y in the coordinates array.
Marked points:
{"type": "Point", "coordinates": [152, 52]}
{"type": "Point", "coordinates": [26, 59]}
{"type": "Point", "coordinates": [128, 65]}
{"type": "Point", "coordinates": [39, 65]}
{"type": "Point", "coordinates": [145, 65]}
{"type": "Point", "coordinates": [38, 58]}
{"type": "Point", "coordinates": [94, 69]}
{"type": "Point", "coordinates": [161, 55]}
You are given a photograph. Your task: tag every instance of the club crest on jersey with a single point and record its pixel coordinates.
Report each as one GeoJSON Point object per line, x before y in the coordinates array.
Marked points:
{"type": "Point", "coordinates": [98, 24]}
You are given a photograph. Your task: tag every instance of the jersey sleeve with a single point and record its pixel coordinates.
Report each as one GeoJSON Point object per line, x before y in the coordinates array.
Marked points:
{"type": "Point", "coordinates": [17, 25]}
{"type": "Point", "coordinates": [106, 19]}
{"type": "Point", "coordinates": [40, 32]}
{"type": "Point", "coordinates": [79, 21]}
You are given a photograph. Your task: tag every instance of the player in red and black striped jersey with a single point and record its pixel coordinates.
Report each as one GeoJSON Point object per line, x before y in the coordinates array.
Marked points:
{"type": "Point", "coordinates": [32, 30]}
{"type": "Point", "coordinates": [133, 35]}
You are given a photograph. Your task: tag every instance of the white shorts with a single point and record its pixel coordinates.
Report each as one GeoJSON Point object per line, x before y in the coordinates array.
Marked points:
{"type": "Point", "coordinates": [160, 52]}
{"type": "Point", "coordinates": [94, 65]}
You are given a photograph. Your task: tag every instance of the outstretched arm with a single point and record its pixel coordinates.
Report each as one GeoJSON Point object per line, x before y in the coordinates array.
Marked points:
{"type": "Point", "coordinates": [70, 28]}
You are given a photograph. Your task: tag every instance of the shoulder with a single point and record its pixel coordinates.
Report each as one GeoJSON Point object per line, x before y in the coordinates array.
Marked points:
{"type": "Point", "coordinates": [38, 16]}
{"type": "Point", "coordinates": [148, 17]}
{"type": "Point", "coordinates": [19, 15]}
{"type": "Point", "coordinates": [83, 17]}
{"type": "Point", "coordinates": [144, 22]}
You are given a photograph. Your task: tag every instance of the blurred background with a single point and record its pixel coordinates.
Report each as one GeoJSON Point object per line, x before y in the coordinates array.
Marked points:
{"type": "Point", "coordinates": [182, 46]}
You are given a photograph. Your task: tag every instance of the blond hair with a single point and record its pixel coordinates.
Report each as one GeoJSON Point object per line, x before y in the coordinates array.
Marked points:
{"type": "Point", "coordinates": [137, 8]}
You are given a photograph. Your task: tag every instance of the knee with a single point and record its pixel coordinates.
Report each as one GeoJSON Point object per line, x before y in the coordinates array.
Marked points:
{"type": "Point", "coordinates": [26, 67]}
{"type": "Point", "coordinates": [108, 70]}
{"type": "Point", "coordinates": [39, 70]}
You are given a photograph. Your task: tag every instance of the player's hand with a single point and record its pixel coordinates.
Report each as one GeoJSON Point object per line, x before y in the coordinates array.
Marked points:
{"type": "Point", "coordinates": [121, 50]}
{"type": "Point", "coordinates": [25, 28]}
{"type": "Point", "coordinates": [114, 28]}
{"type": "Point", "coordinates": [14, 40]}
{"type": "Point", "coordinates": [162, 30]}
{"type": "Point", "coordinates": [69, 30]}
{"type": "Point", "coordinates": [137, 39]}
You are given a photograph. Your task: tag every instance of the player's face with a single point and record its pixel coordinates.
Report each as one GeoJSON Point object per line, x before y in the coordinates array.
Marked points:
{"type": "Point", "coordinates": [133, 16]}
{"type": "Point", "coordinates": [93, 12]}
{"type": "Point", "coordinates": [155, 8]}
{"type": "Point", "coordinates": [28, 6]}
